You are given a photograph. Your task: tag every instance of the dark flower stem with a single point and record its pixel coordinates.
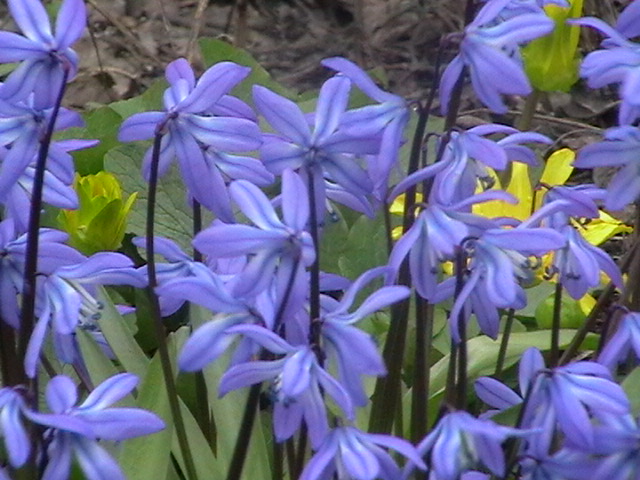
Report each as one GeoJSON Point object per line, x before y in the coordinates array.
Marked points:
{"type": "Point", "coordinates": [203, 415]}
{"type": "Point", "coordinates": [555, 326]}
{"type": "Point", "coordinates": [158, 326]}
{"type": "Point", "coordinates": [244, 435]}
{"type": "Point", "coordinates": [314, 293]}
{"type": "Point", "coordinates": [461, 267]}
{"type": "Point", "coordinates": [27, 312]}
{"type": "Point", "coordinates": [504, 343]}
{"type": "Point", "coordinates": [385, 393]}
{"type": "Point", "coordinates": [421, 377]}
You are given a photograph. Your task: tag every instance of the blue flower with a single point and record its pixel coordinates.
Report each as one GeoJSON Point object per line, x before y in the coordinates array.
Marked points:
{"type": "Point", "coordinates": [273, 245]}
{"type": "Point", "coordinates": [52, 254]}
{"type": "Point", "coordinates": [348, 453]}
{"type": "Point", "coordinates": [568, 396]}
{"type": "Point", "coordinates": [487, 51]}
{"type": "Point", "coordinates": [461, 442]}
{"type": "Point", "coordinates": [298, 380]}
{"type": "Point", "coordinates": [622, 342]}
{"type": "Point", "coordinates": [617, 439]}
{"type": "Point", "coordinates": [620, 148]}
{"type": "Point", "coordinates": [324, 151]}
{"type": "Point", "coordinates": [21, 127]}
{"type": "Point", "coordinates": [66, 299]}
{"type": "Point", "coordinates": [499, 261]}
{"type": "Point", "coordinates": [466, 158]}
{"type": "Point", "coordinates": [75, 430]}
{"type": "Point", "coordinates": [17, 443]}
{"type": "Point", "coordinates": [579, 263]}
{"type": "Point", "coordinates": [197, 137]}
{"type": "Point", "coordinates": [354, 351]}
{"type": "Point", "coordinates": [618, 62]}
{"type": "Point", "coordinates": [434, 237]}
{"type": "Point", "coordinates": [390, 117]}
{"type": "Point", "coordinates": [45, 54]}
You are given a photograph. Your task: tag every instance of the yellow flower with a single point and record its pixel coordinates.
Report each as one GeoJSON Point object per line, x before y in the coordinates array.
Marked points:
{"type": "Point", "coordinates": [100, 222]}
{"type": "Point", "coordinates": [552, 62]}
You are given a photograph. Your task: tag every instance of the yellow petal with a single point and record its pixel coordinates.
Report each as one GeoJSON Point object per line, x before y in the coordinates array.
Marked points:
{"type": "Point", "coordinates": [558, 167]}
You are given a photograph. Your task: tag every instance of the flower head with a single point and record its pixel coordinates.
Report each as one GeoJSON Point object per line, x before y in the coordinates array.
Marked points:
{"type": "Point", "coordinates": [355, 455]}
{"type": "Point", "coordinates": [45, 55]}
{"type": "Point", "coordinates": [192, 132]}
{"type": "Point", "coordinates": [487, 51]}
{"type": "Point", "coordinates": [75, 430]}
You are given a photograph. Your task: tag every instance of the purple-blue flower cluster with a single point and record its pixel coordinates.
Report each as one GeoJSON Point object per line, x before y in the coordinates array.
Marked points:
{"type": "Point", "coordinates": [299, 335]}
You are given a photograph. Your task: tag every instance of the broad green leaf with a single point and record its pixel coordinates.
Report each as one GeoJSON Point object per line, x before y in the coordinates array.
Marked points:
{"type": "Point", "coordinates": [100, 367]}
{"type": "Point", "coordinates": [121, 340]}
{"type": "Point", "coordinates": [148, 457]}
{"type": "Point", "coordinates": [572, 315]}
{"type": "Point", "coordinates": [631, 386]}
{"type": "Point", "coordinates": [366, 247]}
{"type": "Point", "coordinates": [101, 124]}
{"type": "Point", "coordinates": [333, 243]}
{"type": "Point", "coordinates": [483, 354]}
{"type": "Point", "coordinates": [173, 216]}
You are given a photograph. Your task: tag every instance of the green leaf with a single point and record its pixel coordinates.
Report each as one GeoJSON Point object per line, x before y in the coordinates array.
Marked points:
{"type": "Point", "coordinates": [366, 247]}
{"type": "Point", "coordinates": [173, 216]}
{"type": "Point", "coordinates": [101, 124]}
{"type": "Point", "coordinates": [120, 339]}
{"type": "Point", "coordinates": [214, 51]}
{"type": "Point", "coordinates": [483, 354]}
{"type": "Point", "coordinates": [147, 458]}
{"type": "Point", "coordinates": [99, 366]}
{"type": "Point", "coordinates": [333, 244]}
{"type": "Point", "coordinates": [631, 386]}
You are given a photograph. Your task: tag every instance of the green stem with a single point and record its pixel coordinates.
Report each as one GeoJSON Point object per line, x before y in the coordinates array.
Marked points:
{"type": "Point", "coordinates": [158, 327]}
{"type": "Point", "coordinates": [504, 343]}
{"type": "Point", "coordinates": [529, 110]}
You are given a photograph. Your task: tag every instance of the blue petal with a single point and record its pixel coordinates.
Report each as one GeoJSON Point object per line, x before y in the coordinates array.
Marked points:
{"type": "Point", "coordinates": [255, 205]}
{"type": "Point", "coordinates": [247, 374]}
{"type": "Point", "coordinates": [110, 391]}
{"type": "Point", "coordinates": [61, 394]}
{"type": "Point", "coordinates": [71, 22]}
{"type": "Point", "coordinates": [214, 83]}
{"type": "Point", "coordinates": [32, 19]}
{"type": "Point", "coordinates": [140, 126]}
{"type": "Point", "coordinates": [283, 115]}
{"type": "Point", "coordinates": [332, 102]}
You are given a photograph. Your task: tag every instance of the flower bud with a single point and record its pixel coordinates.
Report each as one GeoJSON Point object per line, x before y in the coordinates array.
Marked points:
{"type": "Point", "coordinates": [552, 62]}
{"type": "Point", "coordinates": [99, 224]}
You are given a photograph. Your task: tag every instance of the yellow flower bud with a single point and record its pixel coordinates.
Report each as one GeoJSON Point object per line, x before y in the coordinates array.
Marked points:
{"type": "Point", "coordinates": [100, 222]}
{"type": "Point", "coordinates": [552, 62]}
